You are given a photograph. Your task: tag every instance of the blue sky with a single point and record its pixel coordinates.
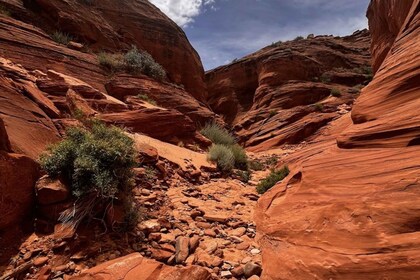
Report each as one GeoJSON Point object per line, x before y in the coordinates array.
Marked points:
{"type": "Point", "coordinates": [222, 30]}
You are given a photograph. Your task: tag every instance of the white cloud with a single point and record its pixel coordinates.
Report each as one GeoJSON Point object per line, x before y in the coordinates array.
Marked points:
{"type": "Point", "coordinates": [182, 12]}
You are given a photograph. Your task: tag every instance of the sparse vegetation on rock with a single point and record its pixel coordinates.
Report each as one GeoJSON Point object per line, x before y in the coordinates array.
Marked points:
{"type": "Point", "coordinates": [61, 38]}
{"type": "Point", "coordinates": [96, 163]}
{"type": "Point", "coordinates": [335, 92]}
{"type": "Point", "coordinates": [319, 107]}
{"type": "Point", "coordinates": [146, 98]}
{"type": "Point", "coordinates": [4, 11]}
{"type": "Point", "coordinates": [134, 62]}
{"type": "Point", "coordinates": [217, 134]}
{"type": "Point", "coordinates": [223, 141]}
{"type": "Point", "coordinates": [223, 156]}
{"type": "Point", "coordinates": [273, 178]}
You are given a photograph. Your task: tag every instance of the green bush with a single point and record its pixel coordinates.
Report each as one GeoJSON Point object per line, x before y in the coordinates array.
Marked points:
{"type": "Point", "coordinates": [61, 38]}
{"type": "Point", "coordinates": [325, 78]}
{"type": "Point", "coordinates": [255, 165]}
{"type": "Point", "coordinates": [112, 62]}
{"type": "Point", "coordinates": [4, 11]}
{"type": "Point", "coordinates": [96, 161]}
{"type": "Point", "coordinates": [239, 154]}
{"type": "Point", "coordinates": [133, 62]}
{"type": "Point", "coordinates": [244, 175]}
{"type": "Point", "coordinates": [146, 98]}
{"type": "Point", "coordinates": [319, 107]}
{"type": "Point", "coordinates": [298, 38]}
{"type": "Point", "coordinates": [223, 156]}
{"type": "Point", "coordinates": [217, 134]}
{"type": "Point", "coordinates": [335, 92]}
{"type": "Point", "coordinates": [273, 178]}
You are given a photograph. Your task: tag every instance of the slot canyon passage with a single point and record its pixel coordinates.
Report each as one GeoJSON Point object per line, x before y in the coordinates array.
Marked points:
{"type": "Point", "coordinates": [121, 158]}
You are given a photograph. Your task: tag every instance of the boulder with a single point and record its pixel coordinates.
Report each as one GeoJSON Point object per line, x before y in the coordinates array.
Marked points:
{"type": "Point", "coordinates": [136, 267]}
{"type": "Point", "coordinates": [18, 174]}
{"type": "Point", "coordinates": [51, 191]}
{"type": "Point", "coordinates": [182, 250]}
{"type": "Point", "coordinates": [251, 269]}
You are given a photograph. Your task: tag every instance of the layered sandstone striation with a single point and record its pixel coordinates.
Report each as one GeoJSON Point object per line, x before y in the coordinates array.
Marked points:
{"type": "Point", "coordinates": [282, 94]}
{"type": "Point", "coordinates": [105, 25]}
{"type": "Point", "coordinates": [46, 87]}
{"type": "Point", "coordinates": [349, 211]}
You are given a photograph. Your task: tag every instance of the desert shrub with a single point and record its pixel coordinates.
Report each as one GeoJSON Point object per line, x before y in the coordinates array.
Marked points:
{"type": "Point", "coordinates": [244, 175]}
{"type": "Point", "coordinates": [335, 92]}
{"type": "Point", "coordinates": [4, 11]}
{"type": "Point", "coordinates": [239, 154]}
{"type": "Point", "coordinates": [356, 89]}
{"type": "Point", "coordinates": [273, 178]}
{"type": "Point", "coordinates": [98, 160]}
{"type": "Point", "coordinates": [276, 44]}
{"type": "Point", "coordinates": [325, 78]}
{"type": "Point", "coordinates": [142, 62]}
{"type": "Point", "coordinates": [133, 62]}
{"type": "Point", "coordinates": [112, 62]}
{"type": "Point", "coordinates": [150, 173]}
{"type": "Point", "coordinates": [146, 98]}
{"type": "Point", "coordinates": [61, 38]}
{"type": "Point", "coordinates": [255, 165]}
{"type": "Point", "coordinates": [319, 107]}
{"type": "Point", "coordinates": [272, 113]}
{"type": "Point", "coordinates": [217, 134]}
{"type": "Point", "coordinates": [271, 160]}
{"type": "Point", "coordinates": [223, 156]}
{"type": "Point", "coordinates": [298, 38]}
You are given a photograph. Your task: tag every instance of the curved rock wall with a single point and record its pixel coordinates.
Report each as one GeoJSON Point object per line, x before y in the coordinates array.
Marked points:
{"type": "Point", "coordinates": [351, 211]}
{"type": "Point", "coordinates": [271, 97]}
{"type": "Point", "coordinates": [116, 25]}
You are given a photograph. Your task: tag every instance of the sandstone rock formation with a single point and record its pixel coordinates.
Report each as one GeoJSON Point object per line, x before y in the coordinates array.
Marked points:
{"type": "Point", "coordinates": [349, 211]}
{"type": "Point", "coordinates": [136, 267]}
{"type": "Point", "coordinates": [283, 93]}
{"type": "Point", "coordinates": [104, 25]}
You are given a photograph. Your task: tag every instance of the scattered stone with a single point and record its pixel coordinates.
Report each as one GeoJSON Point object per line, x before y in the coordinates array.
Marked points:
{"type": "Point", "coordinates": [211, 247]}
{"type": "Point", "coordinates": [182, 250]}
{"type": "Point", "coordinates": [145, 192]}
{"type": "Point", "coordinates": [242, 246]}
{"type": "Point", "coordinates": [255, 251]}
{"type": "Point", "coordinates": [210, 232]}
{"type": "Point", "coordinates": [219, 253]}
{"type": "Point", "coordinates": [216, 217]}
{"type": "Point", "coordinates": [216, 262]}
{"type": "Point", "coordinates": [40, 261]}
{"type": "Point", "coordinates": [238, 232]}
{"type": "Point", "coordinates": [226, 266]}
{"type": "Point", "coordinates": [204, 225]}
{"type": "Point", "coordinates": [194, 243]}
{"type": "Point", "coordinates": [75, 46]}
{"type": "Point", "coordinates": [251, 269]}
{"type": "Point", "coordinates": [246, 260]}
{"type": "Point", "coordinates": [154, 236]}
{"type": "Point", "coordinates": [237, 271]}
{"type": "Point", "coordinates": [226, 274]}
{"type": "Point", "coordinates": [149, 226]}
{"type": "Point", "coordinates": [160, 255]}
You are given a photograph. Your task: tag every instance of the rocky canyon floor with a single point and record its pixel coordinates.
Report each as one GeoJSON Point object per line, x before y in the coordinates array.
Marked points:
{"type": "Point", "coordinates": [203, 221]}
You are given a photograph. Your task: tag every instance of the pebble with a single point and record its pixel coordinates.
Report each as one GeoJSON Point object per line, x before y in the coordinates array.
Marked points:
{"type": "Point", "coordinates": [40, 261]}
{"type": "Point", "coordinates": [255, 251]}
{"type": "Point", "coordinates": [226, 274]}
